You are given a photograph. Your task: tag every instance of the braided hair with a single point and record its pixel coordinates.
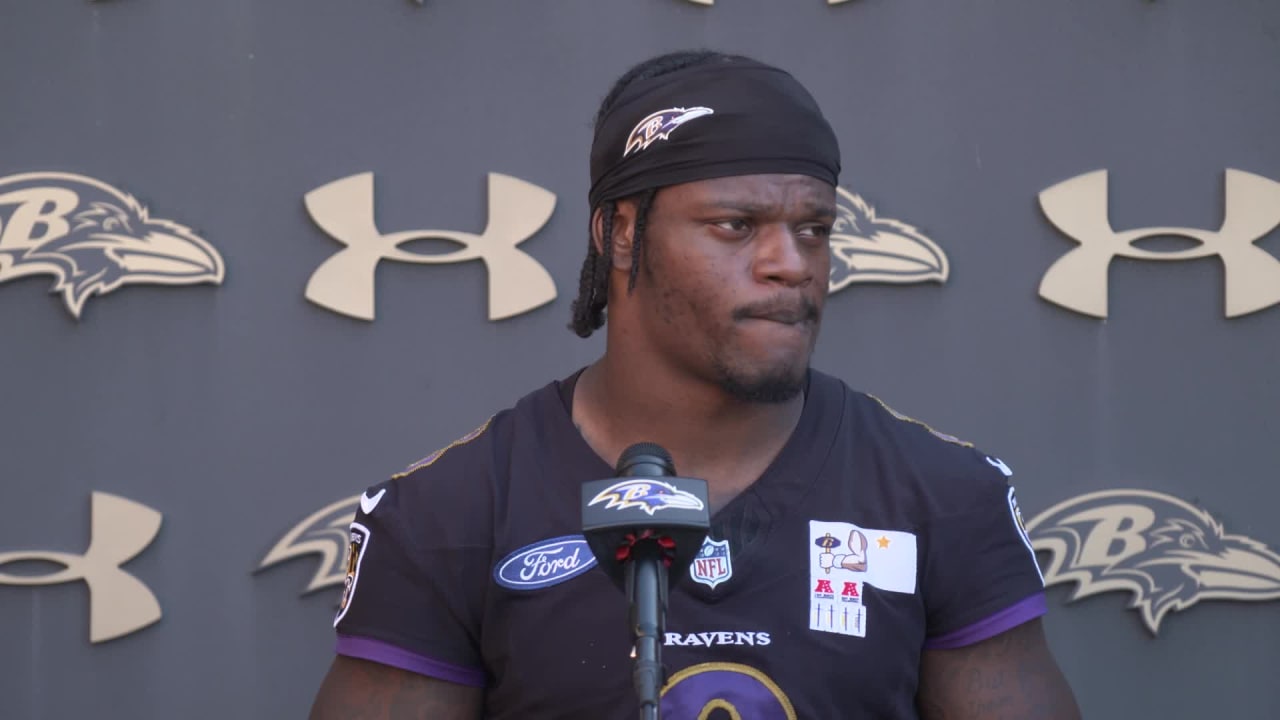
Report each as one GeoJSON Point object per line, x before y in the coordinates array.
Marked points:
{"type": "Point", "coordinates": [593, 281]}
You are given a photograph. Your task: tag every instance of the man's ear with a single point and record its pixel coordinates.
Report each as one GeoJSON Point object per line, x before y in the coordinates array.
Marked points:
{"type": "Point", "coordinates": [623, 231]}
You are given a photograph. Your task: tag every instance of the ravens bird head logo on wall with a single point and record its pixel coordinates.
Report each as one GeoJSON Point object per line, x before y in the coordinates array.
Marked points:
{"type": "Point", "coordinates": [93, 238]}
{"type": "Point", "coordinates": [324, 533]}
{"type": "Point", "coordinates": [866, 248]}
{"type": "Point", "coordinates": [1168, 553]}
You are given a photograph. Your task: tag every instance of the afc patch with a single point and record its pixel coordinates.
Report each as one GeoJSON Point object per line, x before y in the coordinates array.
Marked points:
{"type": "Point", "coordinates": [843, 560]}
{"type": "Point", "coordinates": [355, 553]}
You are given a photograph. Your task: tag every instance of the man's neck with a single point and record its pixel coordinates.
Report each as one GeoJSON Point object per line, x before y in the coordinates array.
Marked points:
{"type": "Point", "coordinates": [711, 435]}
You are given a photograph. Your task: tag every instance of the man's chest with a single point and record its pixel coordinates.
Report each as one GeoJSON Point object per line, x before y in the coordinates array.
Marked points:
{"type": "Point", "coordinates": [767, 634]}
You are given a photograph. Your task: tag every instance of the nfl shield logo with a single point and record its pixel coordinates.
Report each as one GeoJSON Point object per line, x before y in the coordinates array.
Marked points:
{"type": "Point", "coordinates": [711, 566]}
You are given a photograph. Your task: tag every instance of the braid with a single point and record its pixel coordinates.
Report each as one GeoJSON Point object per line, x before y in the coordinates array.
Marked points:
{"type": "Point", "coordinates": [588, 313]}
{"type": "Point", "coordinates": [637, 244]}
{"type": "Point", "coordinates": [593, 281]}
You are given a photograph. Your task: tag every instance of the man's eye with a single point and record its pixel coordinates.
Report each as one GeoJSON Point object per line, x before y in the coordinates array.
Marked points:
{"type": "Point", "coordinates": [821, 232]}
{"type": "Point", "coordinates": [734, 225]}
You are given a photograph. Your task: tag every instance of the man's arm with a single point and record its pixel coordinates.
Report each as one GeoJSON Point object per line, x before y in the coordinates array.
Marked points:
{"type": "Point", "coordinates": [362, 690]}
{"type": "Point", "coordinates": [1010, 676]}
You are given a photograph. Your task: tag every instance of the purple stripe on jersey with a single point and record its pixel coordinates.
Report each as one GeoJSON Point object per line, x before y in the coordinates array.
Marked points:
{"type": "Point", "coordinates": [387, 654]}
{"type": "Point", "coordinates": [1012, 616]}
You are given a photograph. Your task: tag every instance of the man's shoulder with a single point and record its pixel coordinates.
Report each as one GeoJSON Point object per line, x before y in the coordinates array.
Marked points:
{"type": "Point", "coordinates": [456, 485]}
{"type": "Point", "coordinates": [884, 419]}
{"type": "Point", "coordinates": [920, 458]}
{"type": "Point", "coordinates": [485, 446]}
{"type": "Point", "coordinates": [459, 453]}
{"type": "Point", "coordinates": [869, 418]}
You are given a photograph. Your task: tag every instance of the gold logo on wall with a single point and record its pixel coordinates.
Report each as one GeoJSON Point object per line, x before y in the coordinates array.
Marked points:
{"type": "Point", "coordinates": [324, 533]}
{"type": "Point", "coordinates": [1078, 207]}
{"type": "Point", "coordinates": [1166, 552]}
{"type": "Point", "coordinates": [93, 239]}
{"type": "Point", "coordinates": [345, 282]}
{"type": "Point", "coordinates": [119, 603]}
{"type": "Point", "coordinates": [866, 248]}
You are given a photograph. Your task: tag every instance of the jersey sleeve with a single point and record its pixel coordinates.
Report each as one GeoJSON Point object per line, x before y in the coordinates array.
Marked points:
{"type": "Point", "coordinates": [980, 572]}
{"type": "Point", "coordinates": [416, 567]}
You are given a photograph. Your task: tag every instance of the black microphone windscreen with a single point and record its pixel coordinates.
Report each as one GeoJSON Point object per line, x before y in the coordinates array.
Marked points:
{"type": "Point", "coordinates": [646, 455]}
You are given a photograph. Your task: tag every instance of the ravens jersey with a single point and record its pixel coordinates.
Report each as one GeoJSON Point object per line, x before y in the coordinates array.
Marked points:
{"type": "Point", "coordinates": [870, 538]}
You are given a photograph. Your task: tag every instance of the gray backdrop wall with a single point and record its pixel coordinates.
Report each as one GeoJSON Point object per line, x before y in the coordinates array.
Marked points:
{"type": "Point", "coordinates": [237, 410]}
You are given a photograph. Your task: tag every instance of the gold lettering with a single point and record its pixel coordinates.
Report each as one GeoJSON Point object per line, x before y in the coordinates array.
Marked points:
{"type": "Point", "coordinates": [46, 207]}
{"type": "Point", "coordinates": [719, 704]}
{"type": "Point", "coordinates": [1122, 524]}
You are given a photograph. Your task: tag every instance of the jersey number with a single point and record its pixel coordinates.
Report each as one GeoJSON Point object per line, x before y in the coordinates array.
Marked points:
{"type": "Point", "coordinates": [741, 691]}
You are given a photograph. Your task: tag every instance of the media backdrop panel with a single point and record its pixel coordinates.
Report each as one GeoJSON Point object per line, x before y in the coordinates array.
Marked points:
{"type": "Point", "coordinates": [203, 363]}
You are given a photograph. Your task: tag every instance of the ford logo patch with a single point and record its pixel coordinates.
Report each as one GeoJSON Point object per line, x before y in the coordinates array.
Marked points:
{"type": "Point", "coordinates": [545, 563]}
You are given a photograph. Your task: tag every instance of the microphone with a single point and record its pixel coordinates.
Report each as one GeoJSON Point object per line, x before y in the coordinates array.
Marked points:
{"type": "Point", "coordinates": [644, 528]}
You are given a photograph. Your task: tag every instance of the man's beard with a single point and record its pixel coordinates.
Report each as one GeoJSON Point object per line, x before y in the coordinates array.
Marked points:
{"type": "Point", "coordinates": [783, 381]}
{"type": "Point", "coordinates": [778, 385]}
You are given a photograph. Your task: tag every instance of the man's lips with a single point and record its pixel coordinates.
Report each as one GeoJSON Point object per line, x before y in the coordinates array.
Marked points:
{"type": "Point", "coordinates": [789, 313]}
{"type": "Point", "coordinates": [783, 318]}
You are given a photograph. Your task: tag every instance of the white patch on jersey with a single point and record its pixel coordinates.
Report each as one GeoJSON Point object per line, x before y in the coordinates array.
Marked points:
{"type": "Point", "coordinates": [1022, 531]}
{"type": "Point", "coordinates": [367, 504]}
{"type": "Point", "coordinates": [712, 565]}
{"type": "Point", "coordinates": [842, 559]}
{"type": "Point", "coordinates": [998, 464]}
{"type": "Point", "coordinates": [355, 554]}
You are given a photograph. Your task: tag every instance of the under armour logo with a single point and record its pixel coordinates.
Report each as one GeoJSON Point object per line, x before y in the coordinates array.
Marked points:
{"type": "Point", "coordinates": [119, 603]}
{"type": "Point", "coordinates": [345, 282]}
{"type": "Point", "coordinates": [1078, 207]}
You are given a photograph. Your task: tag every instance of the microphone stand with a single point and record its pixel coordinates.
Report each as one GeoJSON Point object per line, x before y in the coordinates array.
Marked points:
{"type": "Point", "coordinates": [647, 591]}
{"type": "Point", "coordinates": [640, 551]}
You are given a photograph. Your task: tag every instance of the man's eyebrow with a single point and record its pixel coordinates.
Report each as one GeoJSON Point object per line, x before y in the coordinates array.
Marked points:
{"type": "Point", "coordinates": [817, 209]}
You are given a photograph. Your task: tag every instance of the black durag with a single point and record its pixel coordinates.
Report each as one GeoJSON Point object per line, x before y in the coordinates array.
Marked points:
{"type": "Point", "coordinates": [726, 117]}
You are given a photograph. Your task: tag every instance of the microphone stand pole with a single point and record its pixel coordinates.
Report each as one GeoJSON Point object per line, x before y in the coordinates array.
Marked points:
{"type": "Point", "coordinates": [647, 588]}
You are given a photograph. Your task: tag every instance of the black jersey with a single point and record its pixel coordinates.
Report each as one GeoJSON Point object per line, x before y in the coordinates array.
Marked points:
{"type": "Point", "coordinates": [870, 538]}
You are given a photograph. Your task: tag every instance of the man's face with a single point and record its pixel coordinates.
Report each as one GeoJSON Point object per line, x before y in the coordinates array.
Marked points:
{"type": "Point", "coordinates": [733, 279]}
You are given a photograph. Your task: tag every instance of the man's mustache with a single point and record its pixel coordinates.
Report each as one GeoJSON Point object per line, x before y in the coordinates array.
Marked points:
{"type": "Point", "coordinates": [789, 310]}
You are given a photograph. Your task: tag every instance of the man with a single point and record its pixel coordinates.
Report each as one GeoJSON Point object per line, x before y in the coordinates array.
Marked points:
{"type": "Point", "coordinates": [859, 564]}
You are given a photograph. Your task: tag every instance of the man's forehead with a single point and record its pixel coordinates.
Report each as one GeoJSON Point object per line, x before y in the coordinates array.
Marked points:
{"type": "Point", "coordinates": [759, 191]}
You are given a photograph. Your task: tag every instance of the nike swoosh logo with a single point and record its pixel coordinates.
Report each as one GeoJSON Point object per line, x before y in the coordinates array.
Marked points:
{"type": "Point", "coordinates": [367, 504]}
{"type": "Point", "coordinates": [993, 462]}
